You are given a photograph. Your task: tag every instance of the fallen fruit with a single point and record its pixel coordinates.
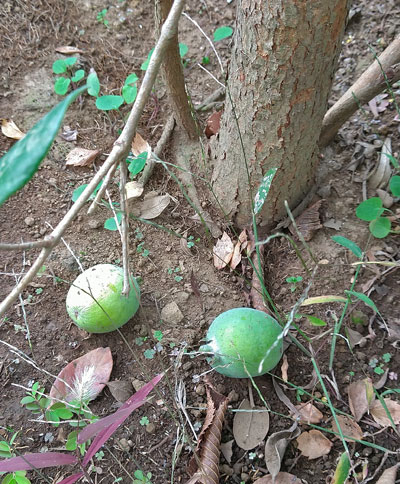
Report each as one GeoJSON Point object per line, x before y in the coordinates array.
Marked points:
{"type": "Point", "coordinates": [244, 342]}
{"type": "Point", "coordinates": [95, 303]}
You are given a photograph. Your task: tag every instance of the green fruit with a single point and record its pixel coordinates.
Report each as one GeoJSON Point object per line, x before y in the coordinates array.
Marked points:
{"type": "Point", "coordinates": [241, 340]}
{"type": "Point", "coordinates": [95, 303]}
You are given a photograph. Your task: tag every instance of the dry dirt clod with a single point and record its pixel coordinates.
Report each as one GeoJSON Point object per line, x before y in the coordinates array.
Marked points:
{"type": "Point", "coordinates": [171, 313]}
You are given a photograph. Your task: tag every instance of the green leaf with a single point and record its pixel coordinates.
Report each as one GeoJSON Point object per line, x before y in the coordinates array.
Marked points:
{"type": "Point", "coordinates": [108, 103]}
{"type": "Point", "coordinates": [93, 84]}
{"type": "Point", "coordinates": [394, 185]}
{"type": "Point", "coordinates": [79, 74]}
{"type": "Point", "coordinates": [183, 50]}
{"type": "Point", "coordinates": [110, 223]}
{"type": "Point", "coordinates": [365, 299]}
{"type": "Point", "coordinates": [315, 321]}
{"type": "Point", "coordinates": [349, 244]}
{"type": "Point", "coordinates": [137, 164]}
{"type": "Point", "coordinates": [21, 162]}
{"type": "Point", "coordinates": [222, 33]}
{"type": "Point", "coordinates": [77, 192]}
{"type": "Point", "coordinates": [131, 79]}
{"type": "Point", "coordinates": [9, 479]}
{"type": "Point", "coordinates": [64, 413]}
{"type": "Point", "coordinates": [70, 61]}
{"type": "Point", "coordinates": [129, 93]}
{"type": "Point", "coordinates": [61, 85]}
{"type": "Point", "coordinates": [21, 479]}
{"type": "Point", "coordinates": [262, 193]}
{"type": "Point", "coordinates": [59, 66]}
{"type": "Point", "coordinates": [145, 64]}
{"type": "Point", "coordinates": [26, 400]}
{"type": "Point", "coordinates": [370, 209]}
{"type": "Point", "coordinates": [380, 227]}
{"type": "Point", "coordinates": [342, 470]}
{"type": "Point", "coordinates": [71, 440]}
{"type": "Point", "coordinates": [149, 354]}
{"type": "Point", "coordinates": [33, 407]}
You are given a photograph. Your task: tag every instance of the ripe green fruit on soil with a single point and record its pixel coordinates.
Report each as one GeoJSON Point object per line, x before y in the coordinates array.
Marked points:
{"type": "Point", "coordinates": [241, 339]}
{"type": "Point", "coordinates": [95, 303]}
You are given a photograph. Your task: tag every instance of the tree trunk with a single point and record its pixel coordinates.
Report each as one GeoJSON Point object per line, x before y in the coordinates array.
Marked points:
{"type": "Point", "coordinates": [282, 66]}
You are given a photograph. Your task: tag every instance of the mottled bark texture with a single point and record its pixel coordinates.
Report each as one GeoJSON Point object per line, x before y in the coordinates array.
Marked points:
{"type": "Point", "coordinates": [282, 66]}
{"type": "Point", "coordinates": [173, 75]}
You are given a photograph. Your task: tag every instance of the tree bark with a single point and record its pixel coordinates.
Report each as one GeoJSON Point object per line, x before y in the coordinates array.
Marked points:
{"type": "Point", "coordinates": [282, 66]}
{"type": "Point", "coordinates": [369, 85]}
{"type": "Point", "coordinates": [173, 75]}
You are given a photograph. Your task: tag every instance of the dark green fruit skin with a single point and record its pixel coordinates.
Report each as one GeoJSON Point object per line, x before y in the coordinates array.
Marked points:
{"type": "Point", "coordinates": [240, 339]}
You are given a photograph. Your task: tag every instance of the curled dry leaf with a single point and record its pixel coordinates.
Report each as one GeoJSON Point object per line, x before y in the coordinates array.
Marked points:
{"type": "Point", "coordinates": [349, 428]}
{"type": "Point", "coordinates": [68, 49]}
{"type": "Point", "coordinates": [83, 378]}
{"type": "Point", "coordinates": [380, 176]}
{"type": "Point", "coordinates": [284, 368]}
{"type": "Point", "coordinates": [69, 134]}
{"type": "Point", "coordinates": [121, 390]}
{"type": "Point", "coordinates": [281, 478]}
{"type": "Point", "coordinates": [204, 465]}
{"type": "Point", "coordinates": [389, 475]}
{"type": "Point", "coordinates": [361, 395]}
{"type": "Point", "coordinates": [309, 413]}
{"type": "Point", "coordinates": [241, 244]}
{"type": "Point", "coordinates": [313, 444]}
{"type": "Point", "coordinates": [250, 425]}
{"type": "Point", "coordinates": [10, 129]}
{"type": "Point", "coordinates": [139, 145]}
{"type": "Point", "coordinates": [276, 446]}
{"type": "Point", "coordinates": [223, 251]}
{"type": "Point", "coordinates": [133, 190]}
{"type": "Point", "coordinates": [380, 415]}
{"type": "Point", "coordinates": [355, 338]}
{"type": "Point", "coordinates": [213, 124]}
{"type": "Point", "coordinates": [81, 157]}
{"type": "Point", "coordinates": [153, 206]}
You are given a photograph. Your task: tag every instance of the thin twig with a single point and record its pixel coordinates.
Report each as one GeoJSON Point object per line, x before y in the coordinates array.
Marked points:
{"type": "Point", "coordinates": [118, 152]}
{"type": "Point", "coordinates": [103, 188]}
{"type": "Point", "coordinates": [124, 228]}
{"type": "Point", "coordinates": [37, 244]}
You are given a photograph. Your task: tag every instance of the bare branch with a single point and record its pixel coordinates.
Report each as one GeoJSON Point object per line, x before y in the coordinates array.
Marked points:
{"type": "Point", "coordinates": [124, 228]}
{"type": "Point", "coordinates": [37, 244]}
{"type": "Point", "coordinates": [369, 85]}
{"type": "Point", "coordinates": [119, 151]}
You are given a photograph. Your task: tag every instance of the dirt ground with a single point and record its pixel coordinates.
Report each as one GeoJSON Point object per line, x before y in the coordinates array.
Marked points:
{"type": "Point", "coordinates": [30, 33]}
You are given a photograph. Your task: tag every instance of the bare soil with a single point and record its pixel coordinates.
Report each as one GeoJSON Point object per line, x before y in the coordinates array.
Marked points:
{"type": "Point", "coordinates": [30, 32]}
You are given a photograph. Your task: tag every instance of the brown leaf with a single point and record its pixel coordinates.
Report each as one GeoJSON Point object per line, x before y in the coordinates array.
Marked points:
{"type": "Point", "coordinates": [309, 413]}
{"type": "Point", "coordinates": [83, 378]}
{"type": "Point", "coordinates": [121, 390]}
{"type": "Point", "coordinates": [81, 157]}
{"type": "Point", "coordinates": [250, 425]}
{"type": "Point", "coordinates": [194, 285]}
{"type": "Point", "coordinates": [237, 252]}
{"type": "Point", "coordinates": [276, 446]}
{"type": "Point", "coordinates": [314, 444]}
{"type": "Point", "coordinates": [355, 338]}
{"type": "Point", "coordinates": [152, 207]}
{"type": "Point", "coordinates": [139, 145]}
{"type": "Point", "coordinates": [213, 124]}
{"type": "Point", "coordinates": [389, 475]}
{"type": "Point", "coordinates": [227, 451]}
{"type": "Point", "coordinates": [308, 222]}
{"type": "Point", "coordinates": [10, 129]}
{"type": "Point", "coordinates": [204, 465]}
{"type": "Point", "coordinates": [223, 251]}
{"type": "Point", "coordinates": [133, 190]}
{"type": "Point", "coordinates": [379, 413]}
{"type": "Point", "coordinates": [284, 368]}
{"type": "Point", "coordinates": [281, 478]}
{"type": "Point", "coordinates": [361, 395]}
{"type": "Point", "coordinates": [68, 49]}
{"type": "Point", "coordinates": [349, 428]}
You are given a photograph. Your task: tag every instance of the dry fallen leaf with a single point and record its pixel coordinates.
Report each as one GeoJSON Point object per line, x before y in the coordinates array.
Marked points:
{"type": "Point", "coordinates": [139, 145]}
{"type": "Point", "coordinates": [308, 222]}
{"type": "Point", "coordinates": [213, 124]}
{"type": "Point", "coordinates": [133, 190]}
{"type": "Point", "coordinates": [361, 395]}
{"type": "Point", "coordinates": [204, 465]}
{"type": "Point", "coordinates": [355, 338]}
{"type": "Point", "coordinates": [237, 252]}
{"type": "Point", "coordinates": [314, 444]}
{"type": "Point", "coordinates": [152, 207]}
{"type": "Point", "coordinates": [69, 134]}
{"type": "Point", "coordinates": [250, 425]}
{"type": "Point", "coordinates": [349, 428]}
{"type": "Point", "coordinates": [84, 378]}
{"type": "Point", "coordinates": [276, 446]}
{"type": "Point", "coordinates": [284, 368]}
{"type": "Point", "coordinates": [10, 129]}
{"type": "Point", "coordinates": [223, 251]}
{"type": "Point", "coordinates": [121, 390]}
{"type": "Point", "coordinates": [68, 49]}
{"type": "Point", "coordinates": [281, 478]}
{"type": "Point", "coordinates": [227, 451]}
{"type": "Point", "coordinates": [309, 413]}
{"type": "Point", "coordinates": [379, 413]}
{"type": "Point", "coordinates": [81, 157]}
{"type": "Point", "coordinates": [389, 475]}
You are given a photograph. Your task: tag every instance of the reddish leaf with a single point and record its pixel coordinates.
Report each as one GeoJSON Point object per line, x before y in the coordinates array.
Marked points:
{"type": "Point", "coordinates": [83, 378]}
{"type": "Point", "coordinates": [213, 124]}
{"type": "Point", "coordinates": [38, 461]}
{"type": "Point", "coordinates": [71, 479]}
{"type": "Point", "coordinates": [104, 432]}
{"type": "Point", "coordinates": [203, 467]}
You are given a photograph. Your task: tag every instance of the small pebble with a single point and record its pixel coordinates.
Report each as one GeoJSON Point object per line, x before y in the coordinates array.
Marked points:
{"type": "Point", "coordinates": [29, 221]}
{"type": "Point", "coordinates": [200, 389]}
{"type": "Point", "coordinates": [124, 444]}
{"type": "Point", "coordinates": [150, 428]}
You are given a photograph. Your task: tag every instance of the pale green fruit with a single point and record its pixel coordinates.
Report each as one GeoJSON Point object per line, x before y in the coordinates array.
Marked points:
{"type": "Point", "coordinates": [244, 342]}
{"type": "Point", "coordinates": [95, 303]}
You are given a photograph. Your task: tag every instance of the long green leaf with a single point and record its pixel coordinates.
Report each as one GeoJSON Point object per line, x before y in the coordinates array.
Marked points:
{"type": "Point", "coordinates": [349, 244]}
{"type": "Point", "coordinates": [21, 162]}
{"type": "Point", "coordinates": [342, 469]}
{"type": "Point", "coordinates": [262, 193]}
{"type": "Point", "coordinates": [365, 299]}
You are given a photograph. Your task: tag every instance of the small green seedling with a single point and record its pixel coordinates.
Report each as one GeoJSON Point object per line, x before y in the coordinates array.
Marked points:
{"type": "Point", "coordinates": [191, 241]}
{"type": "Point", "coordinates": [144, 421]}
{"type": "Point", "coordinates": [149, 354]}
{"type": "Point", "coordinates": [101, 17]}
{"type": "Point", "coordinates": [174, 271]}
{"type": "Point", "coordinates": [64, 66]}
{"type": "Point", "coordinates": [141, 478]}
{"type": "Point", "coordinates": [158, 335]}
{"type": "Point", "coordinates": [142, 251]}
{"type": "Point", "coordinates": [293, 281]}
{"type": "Point", "coordinates": [6, 452]}
{"type": "Point", "coordinates": [378, 366]}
